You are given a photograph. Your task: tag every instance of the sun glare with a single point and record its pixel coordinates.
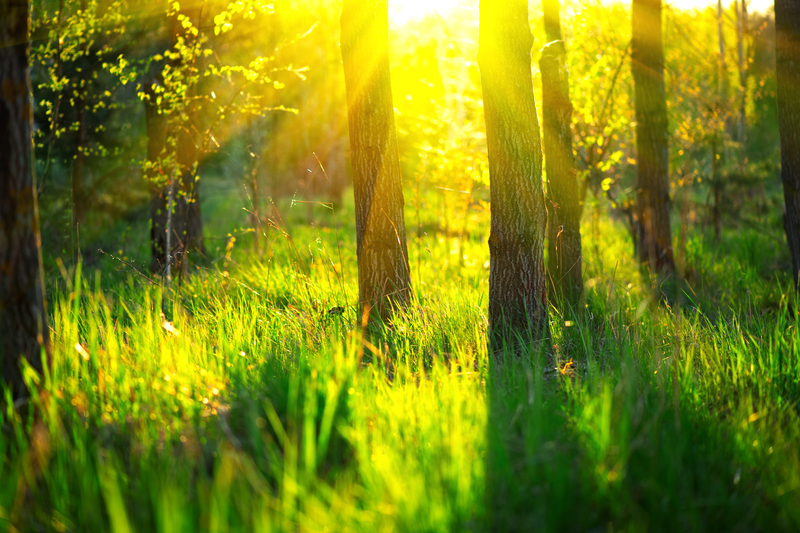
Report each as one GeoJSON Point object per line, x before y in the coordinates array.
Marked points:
{"type": "Point", "coordinates": [402, 11]}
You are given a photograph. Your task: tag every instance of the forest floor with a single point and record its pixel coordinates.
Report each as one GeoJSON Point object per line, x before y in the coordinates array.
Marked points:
{"type": "Point", "coordinates": [254, 403]}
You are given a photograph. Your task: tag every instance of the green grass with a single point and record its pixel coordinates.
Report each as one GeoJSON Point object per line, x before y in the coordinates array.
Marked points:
{"type": "Point", "coordinates": [262, 412]}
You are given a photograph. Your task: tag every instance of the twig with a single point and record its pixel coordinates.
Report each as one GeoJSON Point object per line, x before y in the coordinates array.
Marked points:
{"type": "Point", "coordinates": [128, 264]}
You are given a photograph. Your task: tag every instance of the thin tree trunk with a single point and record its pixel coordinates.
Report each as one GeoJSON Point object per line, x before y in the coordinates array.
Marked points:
{"type": "Point", "coordinates": [741, 27]}
{"type": "Point", "coordinates": [156, 127]}
{"type": "Point", "coordinates": [654, 242]}
{"type": "Point", "coordinates": [176, 222]}
{"type": "Point", "coordinates": [187, 222]}
{"type": "Point", "coordinates": [23, 328]}
{"type": "Point", "coordinates": [718, 145]}
{"type": "Point", "coordinates": [564, 211]}
{"type": "Point", "coordinates": [552, 20]}
{"type": "Point", "coordinates": [787, 48]}
{"type": "Point", "coordinates": [384, 279]}
{"type": "Point", "coordinates": [517, 286]}
{"type": "Point", "coordinates": [78, 204]}
{"type": "Point", "coordinates": [77, 169]}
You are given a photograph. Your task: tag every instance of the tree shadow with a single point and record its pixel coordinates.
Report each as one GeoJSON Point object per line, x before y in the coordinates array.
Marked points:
{"type": "Point", "coordinates": [599, 442]}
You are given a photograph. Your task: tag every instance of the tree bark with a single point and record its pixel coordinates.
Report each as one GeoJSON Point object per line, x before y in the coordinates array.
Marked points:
{"type": "Point", "coordinates": [654, 242]}
{"type": "Point", "coordinates": [787, 49]}
{"type": "Point", "coordinates": [517, 286]}
{"type": "Point", "coordinates": [384, 279]}
{"type": "Point", "coordinates": [551, 9]}
{"type": "Point", "coordinates": [23, 328]}
{"type": "Point", "coordinates": [564, 211]}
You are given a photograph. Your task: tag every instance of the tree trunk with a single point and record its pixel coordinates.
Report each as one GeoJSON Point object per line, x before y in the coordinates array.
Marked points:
{"type": "Point", "coordinates": [718, 156]}
{"type": "Point", "coordinates": [181, 233]}
{"type": "Point", "coordinates": [654, 242]}
{"type": "Point", "coordinates": [156, 127]}
{"type": "Point", "coordinates": [564, 211]}
{"type": "Point", "coordinates": [78, 204]}
{"type": "Point", "coordinates": [551, 9]}
{"type": "Point", "coordinates": [77, 169]}
{"type": "Point", "coordinates": [741, 34]}
{"type": "Point", "coordinates": [787, 48]}
{"type": "Point", "coordinates": [23, 329]}
{"type": "Point", "coordinates": [384, 279]}
{"type": "Point", "coordinates": [517, 287]}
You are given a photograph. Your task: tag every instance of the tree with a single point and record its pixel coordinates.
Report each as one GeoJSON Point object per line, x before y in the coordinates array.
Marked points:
{"type": "Point", "coordinates": [653, 235]}
{"type": "Point", "coordinates": [564, 210]}
{"type": "Point", "coordinates": [384, 280]}
{"type": "Point", "coordinates": [551, 9]}
{"type": "Point", "coordinates": [787, 50]}
{"type": "Point", "coordinates": [23, 330]}
{"type": "Point", "coordinates": [517, 287]}
{"type": "Point", "coordinates": [176, 222]}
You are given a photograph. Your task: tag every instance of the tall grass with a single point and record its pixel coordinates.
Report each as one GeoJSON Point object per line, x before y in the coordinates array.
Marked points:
{"type": "Point", "coordinates": [254, 405]}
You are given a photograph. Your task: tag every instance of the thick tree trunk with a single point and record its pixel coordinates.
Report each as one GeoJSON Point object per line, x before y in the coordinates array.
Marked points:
{"type": "Point", "coordinates": [517, 286]}
{"type": "Point", "coordinates": [787, 48]}
{"type": "Point", "coordinates": [564, 211]}
{"type": "Point", "coordinates": [551, 9]}
{"type": "Point", "coordinates": [23, 329]}
{"type": "Point", "coordinates": [384, 279]}
{"type": "Point", "coordinates": [654, 242]}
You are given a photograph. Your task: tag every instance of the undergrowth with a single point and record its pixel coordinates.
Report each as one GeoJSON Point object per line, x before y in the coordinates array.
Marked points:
{"type": "Point", "coordinates": [248, 399]}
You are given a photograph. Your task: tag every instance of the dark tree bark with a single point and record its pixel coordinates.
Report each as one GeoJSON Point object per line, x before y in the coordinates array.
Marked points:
{"type": "Point", "coordinates": [654, 238]}
{"type": "Point", "coordinates": [552, 20]}
{"type": "Point", "coordinates": [23, 329]}
{"type": "Point", "coordinates": [384, 279]}
{"type": "Point", "coordinates": [517, 286]}
{"type": "Point", "coordinates": [564, 210]}
{"type": "Point", "coordinates": [787, 49]}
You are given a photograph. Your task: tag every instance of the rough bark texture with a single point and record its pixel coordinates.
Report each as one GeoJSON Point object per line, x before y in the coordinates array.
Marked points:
{"type": "Point", "coordinates": [517, 286]}
{"type": "Point", "coordinates": [551, 9]}
{"type": "Point", "coordinates": [383, 272]}
{"type": "Point", "coordinates": [654, 242]}
{"type": "Point", "coordinates": [787, 47]}
{"type": "Point", "coordinates": [23, 330]}
{"type": "Point", "coordinates": [563, 207]}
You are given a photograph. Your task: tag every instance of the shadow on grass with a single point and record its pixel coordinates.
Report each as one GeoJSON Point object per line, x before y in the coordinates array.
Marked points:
{"type": "Point", "coordinates": [604, 443]}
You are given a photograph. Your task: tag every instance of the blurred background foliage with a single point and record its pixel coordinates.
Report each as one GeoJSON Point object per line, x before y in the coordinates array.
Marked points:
{"type": "Point", "coordinates": [271, 120]}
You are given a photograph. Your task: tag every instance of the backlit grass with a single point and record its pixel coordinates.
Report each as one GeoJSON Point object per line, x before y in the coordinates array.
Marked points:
{"type": "Point", "coordinates": [252, 404]}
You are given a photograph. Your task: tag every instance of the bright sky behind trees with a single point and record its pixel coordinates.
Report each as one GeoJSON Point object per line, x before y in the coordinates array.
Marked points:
{"type": "Point", "coordinates": [402, 11]}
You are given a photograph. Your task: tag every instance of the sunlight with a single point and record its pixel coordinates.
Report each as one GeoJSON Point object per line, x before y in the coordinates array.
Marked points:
{"type": "Point", "coordinates": [403, 11]}
{"type": "Point", "coordinates": [752, 5]}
